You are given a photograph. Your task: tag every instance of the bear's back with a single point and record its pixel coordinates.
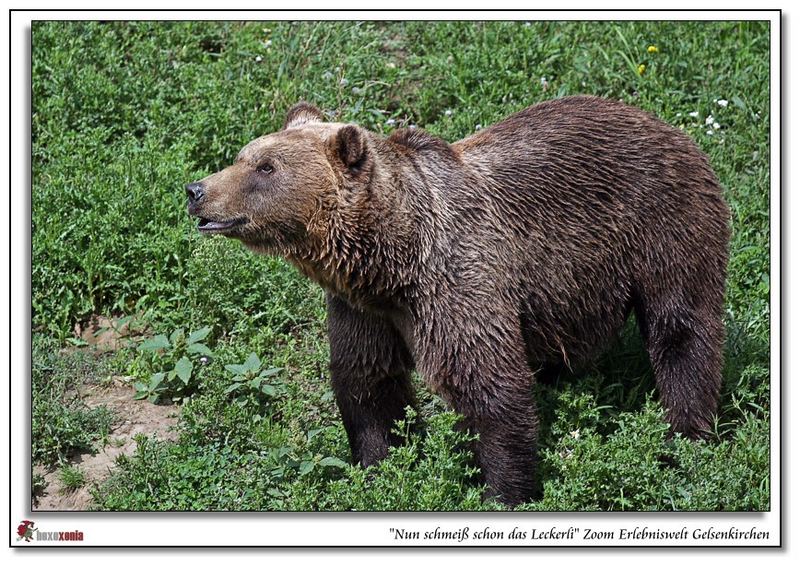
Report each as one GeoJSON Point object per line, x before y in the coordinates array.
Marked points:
{"type": "Point", "coordinates": [583, 163]}
{"type": "Point", "coordinates": [591, 146]}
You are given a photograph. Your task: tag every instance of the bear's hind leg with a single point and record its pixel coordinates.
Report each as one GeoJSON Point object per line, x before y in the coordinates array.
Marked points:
{"type": "Point", "coordinates": [370, 375]}
{"type": "Point", "coordinates": [685, 347]}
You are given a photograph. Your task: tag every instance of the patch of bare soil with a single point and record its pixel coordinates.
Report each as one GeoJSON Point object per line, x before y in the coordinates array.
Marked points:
{"type": "Point", "coordinates": [104, 334]}
{"type": "Point", "coordinates": [133, 417]}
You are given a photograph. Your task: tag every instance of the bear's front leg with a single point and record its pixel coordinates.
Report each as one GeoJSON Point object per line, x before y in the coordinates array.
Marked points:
{"type": "Point", "coordinates": [481, 370]}
{"type": "Point", "coordinates": [506, 447]}
{"type": "Point", "coordinates": [370, 374]}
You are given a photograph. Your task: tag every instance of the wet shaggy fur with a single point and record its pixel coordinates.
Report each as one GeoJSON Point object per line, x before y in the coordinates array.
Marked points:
{"type": "Point", "coordinates": [522, 247]}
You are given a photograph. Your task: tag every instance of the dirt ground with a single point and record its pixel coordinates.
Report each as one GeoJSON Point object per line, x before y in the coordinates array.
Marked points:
{"type": "Point", "coordinates": [133, 417]}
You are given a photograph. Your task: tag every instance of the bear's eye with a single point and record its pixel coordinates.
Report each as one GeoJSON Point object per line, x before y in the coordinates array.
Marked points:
{"type": "Point", "coordinates": [265, 168]}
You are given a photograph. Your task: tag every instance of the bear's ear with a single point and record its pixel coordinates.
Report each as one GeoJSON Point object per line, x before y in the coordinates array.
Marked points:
{"type": "Point", "coordinates": [302, 113]}
{"type": "Point", "coordinates": [350, 146]}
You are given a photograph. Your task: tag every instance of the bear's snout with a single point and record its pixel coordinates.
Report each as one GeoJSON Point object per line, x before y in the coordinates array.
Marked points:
{"type": "Point", "coordinates": [195, 192]}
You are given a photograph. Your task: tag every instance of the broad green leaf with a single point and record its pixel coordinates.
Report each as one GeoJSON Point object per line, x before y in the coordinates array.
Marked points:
{"type": "Point", "coordinates": [305, 467]}
{"type": "Point", "coordinates": [269, 390]}
{"type": "Point", "coordinates": [270, 372]}
{"type": "Point", "coordinates": [198, 335]}
{"type": "Point", "coordinates": [236, 369]}
{"type": "Point", "coordinates": [252, 363]}
{"type": "Point", "coordinates": [155, 380]}
{"type": "Point", "coordinates": [332, 461]}
{"type": "Point", "coordinates": [157, 342]}
{"type": "Point", "coordinates": [183, 369]}
{"type": "Point", "coordinates": [201, 349]}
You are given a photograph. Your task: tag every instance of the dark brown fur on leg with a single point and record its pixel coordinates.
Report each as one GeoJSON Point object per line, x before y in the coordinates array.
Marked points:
{"type": "Point", "coordinates": [370, 368]}
{"type": "Point", "coordinates": [505, 448]}
{"type": "Point", "coordinates": [484, 375]}
{"type": "Point", "coordinates": [506, 451]}
{"type": "Point", "coordinates": [686, 356]}
{"type": "Point", "coordinates": [680, 317]}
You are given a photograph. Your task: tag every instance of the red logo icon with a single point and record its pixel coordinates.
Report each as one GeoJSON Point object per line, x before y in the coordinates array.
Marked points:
{"type": "Point", "coordinates": [25, 531]}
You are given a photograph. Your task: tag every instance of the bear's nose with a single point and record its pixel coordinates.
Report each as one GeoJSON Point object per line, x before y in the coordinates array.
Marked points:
{"type": "Point", "coordinates": [194, 191]}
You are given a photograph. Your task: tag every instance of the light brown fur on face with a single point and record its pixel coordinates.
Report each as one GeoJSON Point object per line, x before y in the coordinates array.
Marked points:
{"type": "Point", "coordinates": [518, 251]}
{"type": "Point", "coordinates": [278, 185]}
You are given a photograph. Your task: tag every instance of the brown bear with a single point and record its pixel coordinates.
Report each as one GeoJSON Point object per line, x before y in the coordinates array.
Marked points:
{"type": "Point", "coordinates": [522, 248]}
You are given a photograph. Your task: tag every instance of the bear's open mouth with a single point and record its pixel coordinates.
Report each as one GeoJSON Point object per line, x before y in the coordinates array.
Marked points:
{"type": "Point", "coordinates": [219, 226]}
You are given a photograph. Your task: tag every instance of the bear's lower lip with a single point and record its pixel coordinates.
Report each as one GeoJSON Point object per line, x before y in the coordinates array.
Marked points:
{"type": "Point", "coordinates": [218, 226]}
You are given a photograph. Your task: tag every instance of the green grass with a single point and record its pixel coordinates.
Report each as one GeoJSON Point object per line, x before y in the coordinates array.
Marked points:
{"type": "Point", "coordinates": [72, 478]}
{"type": "Point", "coordinates": [61, 424]}
{"type": "Point", "coordinates": [125, 114]}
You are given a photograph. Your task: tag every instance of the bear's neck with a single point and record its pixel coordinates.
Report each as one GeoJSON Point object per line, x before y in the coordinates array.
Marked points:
{"type": "Point", "coordinates": [378, 244]}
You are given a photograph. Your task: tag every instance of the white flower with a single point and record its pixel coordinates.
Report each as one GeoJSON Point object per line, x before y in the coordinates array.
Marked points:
{"type": "Point", "coordinates": [267, 42]}
{"type": "Point", "coordinates": [709, 120]}
{"type": "Point", "coordinates": [258, 59]}
{"type": "Point", "coordinates": [722, 102]}
{"type": "Point", "coordinates": [343, 82]}
{"type": "Point", "coordinates": [694, 114]}
{"type": "Point", "coordinates": [391, 122]}
{"type": "Point", "coordinates": [478, 127]}
{"type": "Point", "coordinates": [716, 125]}
{"type": "Point", "coordinates": [412, 126]}
{"type": "Point", "coordinates": [709, 132]}
{"type": "Point", "coordinates": [448, 112]}
{"type": "Point", "coordinates": [679, 114]}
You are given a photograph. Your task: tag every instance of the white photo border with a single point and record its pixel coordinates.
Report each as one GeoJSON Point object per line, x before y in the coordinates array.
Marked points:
{"type": "Point", "coordinates": [366, 529]}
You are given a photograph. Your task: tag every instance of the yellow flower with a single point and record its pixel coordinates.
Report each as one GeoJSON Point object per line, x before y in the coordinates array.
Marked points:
{"type": "Point", "coordinates": [641, 68]}
{"type": "Point", "coordinates": [652, 49]}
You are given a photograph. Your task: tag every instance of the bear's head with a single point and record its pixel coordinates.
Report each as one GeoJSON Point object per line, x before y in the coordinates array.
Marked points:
{"type": "Point", "coordinates": [283, 188]}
